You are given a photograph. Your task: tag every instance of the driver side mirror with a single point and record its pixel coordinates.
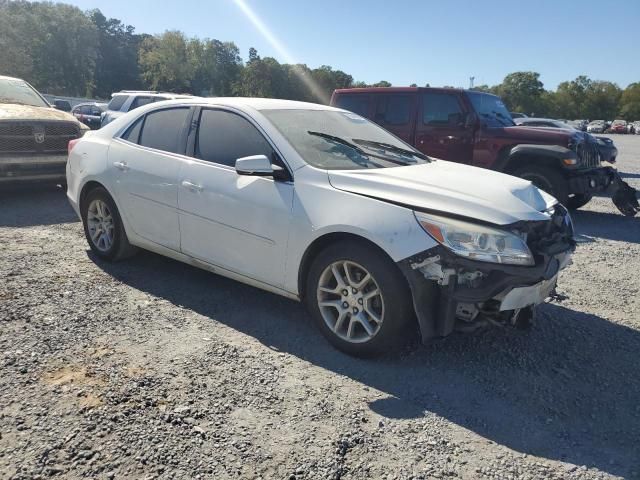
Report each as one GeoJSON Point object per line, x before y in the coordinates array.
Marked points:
{"type": "Point", "coordinates": [258, 166]}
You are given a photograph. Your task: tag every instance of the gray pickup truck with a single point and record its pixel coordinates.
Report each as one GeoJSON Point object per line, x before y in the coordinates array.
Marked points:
{"type": "Point", "coordinates": [33, 135]}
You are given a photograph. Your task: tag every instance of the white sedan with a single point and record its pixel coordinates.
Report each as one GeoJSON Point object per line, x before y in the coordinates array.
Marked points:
{"type": "Point", "coordinates": [318, 204]}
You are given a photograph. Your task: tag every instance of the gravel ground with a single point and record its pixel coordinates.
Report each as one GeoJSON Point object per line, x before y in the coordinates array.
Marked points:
{"type": "Point", "coordinates": [154, 369]}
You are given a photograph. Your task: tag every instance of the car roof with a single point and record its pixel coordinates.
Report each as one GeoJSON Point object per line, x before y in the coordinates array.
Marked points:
{"type": "Point", "coordinates": [250, 102]}
{"type": "Point", "coordinates": [536, 119]}
{"type": "Point", "coordinates": [3, 77]}
{"type": "Point", "coordinates": [383, 90]}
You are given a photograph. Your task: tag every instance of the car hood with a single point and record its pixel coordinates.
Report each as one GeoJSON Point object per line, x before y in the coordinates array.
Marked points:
{"type": "Point", "coordinates": [12, 111]}
{"type": "Point", "coordinates": [451, 189]}
{"type": "Point", "coordinates": [524, 134]}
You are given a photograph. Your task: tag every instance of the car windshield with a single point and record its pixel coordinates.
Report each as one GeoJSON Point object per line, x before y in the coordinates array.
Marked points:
{"type": "Point", "coordinates": [335, 140]}
{"type": "Point", "coordinates": [491, 109]}
{"type": "Point", "coordinates": [20, 92]}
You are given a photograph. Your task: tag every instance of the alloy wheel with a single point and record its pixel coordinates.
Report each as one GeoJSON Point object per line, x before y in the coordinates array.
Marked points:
{"type": "Point", "coordinates": [350, 301]}
{"type": "Point", "coordinates": [100, 225]}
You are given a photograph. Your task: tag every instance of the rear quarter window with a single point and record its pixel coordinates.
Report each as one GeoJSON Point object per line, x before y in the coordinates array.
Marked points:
{"type": "Point", "coordinates": [117, 102]}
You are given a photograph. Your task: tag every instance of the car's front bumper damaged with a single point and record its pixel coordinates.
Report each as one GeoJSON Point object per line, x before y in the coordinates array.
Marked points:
{"type": "Point", "coordinates": [455, 293]}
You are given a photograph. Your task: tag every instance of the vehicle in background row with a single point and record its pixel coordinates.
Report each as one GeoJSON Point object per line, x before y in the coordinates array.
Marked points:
{"type": "Point", "coordinates": [321, 205]}
{"type": "Point", "coordinates": [518, 115]}
{"type": "Point", "coordinates": [618, 126]}
{"type": "Point", "coordinates": [475, 128]}
{"type": "Point", "coordinates": [127, 100]}
{"type": "Point", "coordinates": [62, 105]}
{"type": "Point", "coordinates": [608, 151]}
{"type": "Point", "coordinates": [579, 125]}
{"type": "Point", "coordinates": [596, 126]}
{"type": "Point", "coordinates": [636, 127]}
{"type": "Point", "coordinates": [89, 113]}
{"type": "Point", "coordinates": [33, 135]}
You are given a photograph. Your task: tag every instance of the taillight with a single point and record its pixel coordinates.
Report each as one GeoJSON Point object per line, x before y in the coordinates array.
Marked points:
{"type": "Point", "coordinates": [71, 144]}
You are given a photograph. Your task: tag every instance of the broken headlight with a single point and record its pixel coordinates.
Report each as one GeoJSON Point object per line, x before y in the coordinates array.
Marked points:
{"type": "Point", "coordinates": [477, 242]}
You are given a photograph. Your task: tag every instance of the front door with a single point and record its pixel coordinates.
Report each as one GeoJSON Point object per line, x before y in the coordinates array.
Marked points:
{"type": "Point", "coordinates": [240, 223]}
{"type": "Point", "coordinates": [440, 128]}
{"type": "Point", "coordinates": [146, 162]}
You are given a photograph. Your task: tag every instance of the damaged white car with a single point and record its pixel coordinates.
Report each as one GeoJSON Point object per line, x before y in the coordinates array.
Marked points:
{"type": "Point", "coordinates": [321, 205]}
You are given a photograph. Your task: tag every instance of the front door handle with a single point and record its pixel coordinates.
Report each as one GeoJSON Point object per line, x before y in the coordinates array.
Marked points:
{"type": "Point", "coordinates": [121, 165]}
{"type": "Point", "coordinates": [194, 187]}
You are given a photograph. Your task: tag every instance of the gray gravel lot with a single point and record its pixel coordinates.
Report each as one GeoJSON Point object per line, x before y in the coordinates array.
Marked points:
{"type": "Point", "coordinates": [154, 369]}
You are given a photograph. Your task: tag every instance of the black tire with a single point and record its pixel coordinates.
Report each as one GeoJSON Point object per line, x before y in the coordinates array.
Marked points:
{"type": "Point", "coordinates": [120, 247]}
{"type": "Point", "coordinates": [546, 178]}
{"type": "Point", "coordinates": [397, 313]}
{"type": "Point", "coordinates": [578, 200]}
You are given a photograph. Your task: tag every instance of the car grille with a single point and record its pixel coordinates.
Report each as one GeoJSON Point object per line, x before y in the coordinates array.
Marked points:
{"type": "Point", "coordinates": [36, 137]}
{"type": "Point", "coordinates": [588, 154]}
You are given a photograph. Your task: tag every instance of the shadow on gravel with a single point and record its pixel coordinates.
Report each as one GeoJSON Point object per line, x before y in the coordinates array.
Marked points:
{"type": "Point", "coordinates": [612, 226]}
{"type": "Point", "coordinates": [28, 206]}
{"type": "Point", "coordinates": [567, 390]}
{"type": "Point", "coordinates": [629, 175]}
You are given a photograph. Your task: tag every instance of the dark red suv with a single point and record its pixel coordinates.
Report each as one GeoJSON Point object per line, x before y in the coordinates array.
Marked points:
{"type": "Point", "coordinates": [476, 128]}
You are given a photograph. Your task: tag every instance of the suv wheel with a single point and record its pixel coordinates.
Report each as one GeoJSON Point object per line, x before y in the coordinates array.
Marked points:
{"type": "Point", "coordinates": [103, 226]}
{"type": "Point", "coordinates": [359, 299]}
{"type": "Point", "coordinates": [545, 178]}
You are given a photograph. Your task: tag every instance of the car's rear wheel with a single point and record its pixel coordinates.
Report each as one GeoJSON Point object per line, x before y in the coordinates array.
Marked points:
{"type": "Point", "coordinates": [578, 200]}
{"type": "Point", "coordinates": [103, 226]}
{"type": "Point", "coordinates": [546, 178]}
{"type": "Point", "coordinates": [359, 299]}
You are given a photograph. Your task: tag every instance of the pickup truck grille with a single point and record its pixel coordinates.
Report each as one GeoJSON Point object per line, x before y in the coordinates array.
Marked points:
{"type": "Point", "coordinates": [33, 137]}
{"type": "Point", "coordinates": [588, 154]}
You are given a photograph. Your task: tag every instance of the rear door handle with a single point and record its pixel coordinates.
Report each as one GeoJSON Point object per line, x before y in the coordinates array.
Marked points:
{"type": "Point", "coordinates": [192, 186]}
{"type": "Point", "coordinates": [121, 165]}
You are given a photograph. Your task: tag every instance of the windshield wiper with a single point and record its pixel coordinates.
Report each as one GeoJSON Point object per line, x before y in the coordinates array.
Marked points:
{"type": "Point", "coordinates": [391, 148]}
{"type": "Point", "coordinates": [338, 140]}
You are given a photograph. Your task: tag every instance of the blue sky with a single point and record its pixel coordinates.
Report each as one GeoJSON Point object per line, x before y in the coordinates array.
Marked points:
{"type": "Point", "coordinates": [414, 41]}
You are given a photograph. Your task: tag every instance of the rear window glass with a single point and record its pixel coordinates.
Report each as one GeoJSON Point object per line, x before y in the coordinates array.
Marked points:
{"type": "Point", "coordinates": [117, 102]}
{"type": "Point", "coordinates": [354, 103]}
{"type": "Point", "coordinates": [139, 102]}
{"type": "Point", "coordinates": [162, 129]}
{"type": "Point", "coordinates": [133, 133]}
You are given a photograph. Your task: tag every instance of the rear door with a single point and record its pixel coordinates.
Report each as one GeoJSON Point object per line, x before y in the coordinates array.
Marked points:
{"type": "Point", "coordinates": [237, 222]}
{"type": "Point", "coordinates": [396, 112]}
{"type": "Point", "coordinates": [440, 129]}
{"type": "Point", "coordinates": [146, 162]}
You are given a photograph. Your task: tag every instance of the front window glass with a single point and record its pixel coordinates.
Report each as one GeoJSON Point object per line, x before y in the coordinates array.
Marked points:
{"type": "Point", "coordinates": [490, 109]}
{"type": "Point", "coordinates": [20, 92]}
{"type": "Point", "coordinates": [139, 102]}
{"type": "Point", "coordinates": [223, 137]}
{"type": "Point", "coordinates": [441, 109]}
{"type": "Point", "coordinates": [341, 140]}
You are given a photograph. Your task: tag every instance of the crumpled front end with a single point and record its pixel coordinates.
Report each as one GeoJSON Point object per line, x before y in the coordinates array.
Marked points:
{"type": "Point", "coordinates": [451, 292]}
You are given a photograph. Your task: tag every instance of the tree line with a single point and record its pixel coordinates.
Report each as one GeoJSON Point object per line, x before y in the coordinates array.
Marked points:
{"type": "Point", "coordinates": [64, 51]}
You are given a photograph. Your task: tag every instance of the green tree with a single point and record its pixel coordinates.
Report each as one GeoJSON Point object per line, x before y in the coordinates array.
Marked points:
{"type": "Point", "coordinates": [381, 83]}
{"type": "Point", "coordinates": [630, 102]}
{"type": "Point", "coordinates": [52, 45]}
{"type": "Point", "coordinates": [164, 62]}
{"type": "Point", "coordinates": [117, 56]}
{"type": "Point", "coordinates": [521, 91]}
{"type": "Point", "coordinates": [215, 66]}
{"type": "Point", "coordinates": [602, 100]}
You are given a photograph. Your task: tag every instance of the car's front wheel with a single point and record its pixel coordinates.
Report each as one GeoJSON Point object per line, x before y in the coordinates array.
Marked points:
{"type": "Point", "coordinates": [103, 226]}
{"type": "Point", "coordinates": [359, 299]}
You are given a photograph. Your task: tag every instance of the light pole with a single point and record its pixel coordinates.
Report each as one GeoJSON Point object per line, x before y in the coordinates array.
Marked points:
{"type": "Point", "coordinates": [471, 79]}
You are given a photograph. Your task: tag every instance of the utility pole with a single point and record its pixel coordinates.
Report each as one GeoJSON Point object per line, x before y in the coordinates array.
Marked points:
{"type": "Point", "coordinates": [471, 79]}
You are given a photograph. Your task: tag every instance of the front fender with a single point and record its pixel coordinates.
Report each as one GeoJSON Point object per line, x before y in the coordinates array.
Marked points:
{"type": "Point", "coordinates": [554, 153]}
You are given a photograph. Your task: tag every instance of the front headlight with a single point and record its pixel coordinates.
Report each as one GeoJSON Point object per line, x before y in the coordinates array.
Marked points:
{"type": "Point", "coordinates": [477, 242]}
